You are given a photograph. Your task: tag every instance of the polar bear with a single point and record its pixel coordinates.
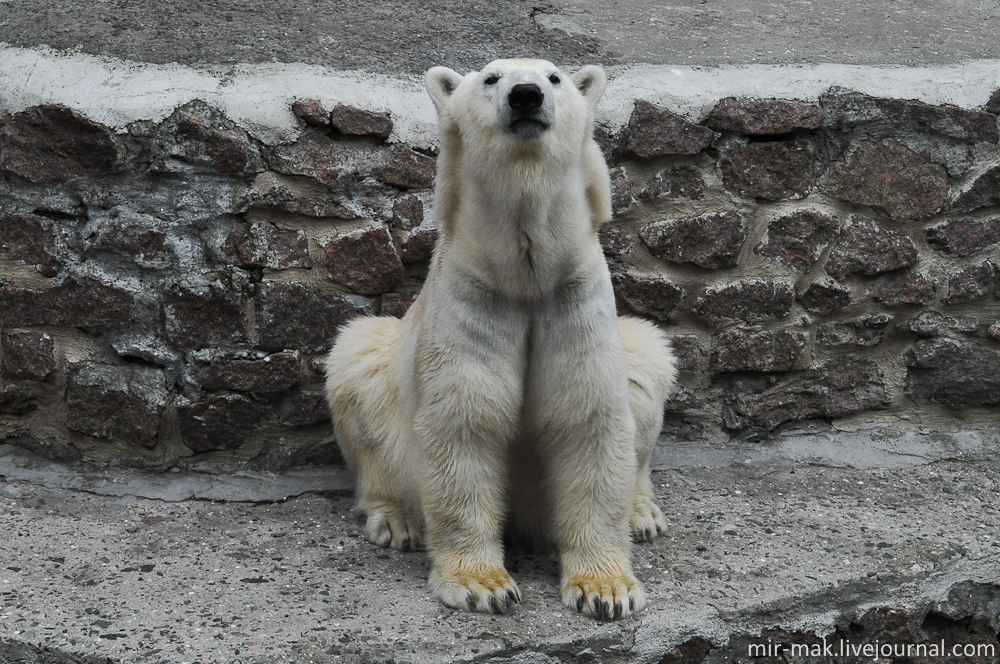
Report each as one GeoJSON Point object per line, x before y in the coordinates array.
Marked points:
{"type": "Point", "coordinates": [510, 395]}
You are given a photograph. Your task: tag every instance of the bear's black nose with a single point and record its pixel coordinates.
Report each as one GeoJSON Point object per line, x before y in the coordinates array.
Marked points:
{"type": "Point", "coordinates": [525, 97]}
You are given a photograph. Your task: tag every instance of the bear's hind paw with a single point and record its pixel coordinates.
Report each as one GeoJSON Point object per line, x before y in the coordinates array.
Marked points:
{"type": "Point", "coordinates": [648, 521]}
{"type": "Point", "coordinates": [393, 528]}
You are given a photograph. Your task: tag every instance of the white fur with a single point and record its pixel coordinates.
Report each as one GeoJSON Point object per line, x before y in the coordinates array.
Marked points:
{"type": "Point", "coordinates": [510, 394]}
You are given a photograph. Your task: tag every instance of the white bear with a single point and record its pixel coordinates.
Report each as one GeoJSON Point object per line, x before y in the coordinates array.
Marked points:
{"type": "Point", "coordinates": [510, 395]}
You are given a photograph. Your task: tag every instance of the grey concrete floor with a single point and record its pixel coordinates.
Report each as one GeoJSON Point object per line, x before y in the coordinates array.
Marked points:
{"type": "Point", "coordinates": [148, 580]}
{"type": "Point", "coordinates": [409, 36]}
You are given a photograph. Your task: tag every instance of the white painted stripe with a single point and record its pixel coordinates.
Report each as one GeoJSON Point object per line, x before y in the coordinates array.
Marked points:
{"type": "Point", "coordinates": [259, 97]}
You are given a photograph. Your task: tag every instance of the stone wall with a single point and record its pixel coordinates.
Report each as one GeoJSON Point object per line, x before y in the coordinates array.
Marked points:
{"type": "Point", "coordinates": [166, 294]}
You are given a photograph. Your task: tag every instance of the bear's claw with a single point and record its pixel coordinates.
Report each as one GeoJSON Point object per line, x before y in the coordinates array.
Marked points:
{"type": "Point", "coordinates": [489, 591]}
{"type": "Point", "coordinates": [605, 598]}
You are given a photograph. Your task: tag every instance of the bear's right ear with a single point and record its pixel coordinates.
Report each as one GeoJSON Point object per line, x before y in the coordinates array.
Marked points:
{"type": "Point", "coordinates": [441, 82]}
{"type": "Point", "coordinates": [591, 81]}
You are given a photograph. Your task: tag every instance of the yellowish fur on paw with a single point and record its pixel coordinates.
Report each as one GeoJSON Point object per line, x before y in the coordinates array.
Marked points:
{"type": "Point", "coordinates": [648, 521]}
{"type": "Point", "coordinates": [604, 598]}
{"type": "Point", "coordinates": [394, 529]}
{"type": "Point", "coordinates": [488, 591]}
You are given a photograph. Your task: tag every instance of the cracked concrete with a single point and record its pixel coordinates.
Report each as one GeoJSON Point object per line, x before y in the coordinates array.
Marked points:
{"type": "Point", "coordinates": [408, 36]}
{"type": "Point", "coordinates": [761, 536]}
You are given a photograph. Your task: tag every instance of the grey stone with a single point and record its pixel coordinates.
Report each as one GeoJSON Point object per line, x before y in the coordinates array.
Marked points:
{"type": "Point", "coordinates": [312, 112]}
{"type": "Point", "coordinates": [83, 302]}
{"type": "Point", "coordinates": [274, 373]}
{"type": "Point", "coordinates": [747, 300]}
{"type": "Point", "coordinates": [27, 355]}
{"type": "Point", "coordinates": [353, 121]}
{"type": "Point", "coordinates": [772, 171]}
{"type": "Point", "coordinates": [365, 261]}
{"type": "Point", "coordinates": [279, 456]}
{"type": "Point", "coordinates": [970, 284]}
{"type": "Point", "coordinates": [864, 331]}
{"type": "Point", "coordinates": [964, 237]}
{"type": "Point", "coordinates": [406, 169]}
{"type": "Point", "coordinates": [687, 351]}
{"type": "Point", "coordinates": [889, 176]}
{"type": "Point", "coordinates": [304, 408]}
{"type": "Point", "coordinates": [119, 402]}
{"type": "Point", "coordinates": [200, 135]}
{"type": "Point", "coordinates": [825, 297]}
{"type": "Point", "coordinates": [222, 421]}
{"type": "Point", "coordinates": [293, 316]}
{"type": "Point", "coordinates": [866, 247]}
{"type": "Point", "coordinates": [653, 296]}
{"type": "Point", "coordinates": [407, 212]}
{"type": "Point", "coordinates": [263, 245]}
{"type": "Point", "coordinates": [201, 322]}
{"type": "Point", "coordinates": [839, 386]}
{"type": "Point", "coordinates": [396, 304]}
{"type": "Point", "coordinates": [710, 241]}
{"type": "Point", "coordinates": [656, 132]}
{"type": "Point", "coordinates": [905, 287]}
{"type": "Point", "coordinates": [953, 371]}
{"type": "Point", "coordinates": [885, 117]}
{"type": "Point", "coordinates": [17, 399]}
{"type": "Point", "coordinates": [49, 145]}
{"type": "Point", "coordinates": [984, 191]}
{"type": "Point", "coordinates": [798, 239]}
{"type": "Point", "coordinates": [621, 191]}
{"type": "Point", "coordinates": [764, 117]}
{"type": "Point", "coordinates": [675, 182]}
{"type": "Point", "coordinates": [614, 242]}
{"type": "Point", "coordinates": [28, 240]}
{"type": "Point", "coordinates": [417, 245]}
{"type": "Point", "coordinates": [314, 155]}
{"type": "Point", "coordinates": [933, 323]}
{"type": "Point", "coordinates": [761, 350]}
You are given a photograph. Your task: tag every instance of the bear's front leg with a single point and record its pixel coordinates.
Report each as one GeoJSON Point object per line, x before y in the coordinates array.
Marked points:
{"type": "Point", "coordinates": [577, 409]}
{"type": "Point", "coordinates": [468, 402]}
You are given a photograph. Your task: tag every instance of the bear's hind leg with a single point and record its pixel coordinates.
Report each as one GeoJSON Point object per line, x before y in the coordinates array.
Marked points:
{"type": "Point", "coordinates": [647, 521]}
{"type": "Point", "coordinates": [363, 394]}
{"type": "Point", "coordinates": [389, 521]}
{"type": "Point", "coordinates": [652, 374]}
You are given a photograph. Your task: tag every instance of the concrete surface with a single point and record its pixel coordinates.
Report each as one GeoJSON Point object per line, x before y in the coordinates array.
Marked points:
{"type": "Point", "coordinates": [802, 533]}
{"type": "Point", "coordinates": [408, 36]}
{"type": "Point", "coordinates": [803, 546]}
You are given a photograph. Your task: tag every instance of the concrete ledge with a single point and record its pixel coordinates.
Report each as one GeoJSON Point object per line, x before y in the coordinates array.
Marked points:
{"type": "Point", "coordinates": [258, 97]}
{"type": "Point", "coordinates": [793, 554]}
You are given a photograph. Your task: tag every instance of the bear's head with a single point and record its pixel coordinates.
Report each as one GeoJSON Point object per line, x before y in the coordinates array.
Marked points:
{"type": "Point", "coordinates": [516, 109]}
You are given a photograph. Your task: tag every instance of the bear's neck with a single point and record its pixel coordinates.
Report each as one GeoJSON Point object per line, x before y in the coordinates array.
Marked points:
{"type": "Point", "coordinates": [522, 233]}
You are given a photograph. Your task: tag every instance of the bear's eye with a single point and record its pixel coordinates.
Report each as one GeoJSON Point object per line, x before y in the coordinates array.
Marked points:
{"type": "Point", "coordinates": [491, 79]}
{"type": "Point", "coordinates": [554, 80]}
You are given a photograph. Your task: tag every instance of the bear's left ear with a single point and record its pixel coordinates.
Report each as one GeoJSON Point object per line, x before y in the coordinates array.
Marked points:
{"type": "Point", "coordinates": [591, 81]}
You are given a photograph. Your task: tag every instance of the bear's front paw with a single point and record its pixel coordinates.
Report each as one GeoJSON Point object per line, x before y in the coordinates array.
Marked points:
{"type": "Point", "coordinates": [604, 598]}
{"type": "Point", "coordinates": [488, 591]}
{"type": "Point", "coordinates": [647, 520]}
{"type": "Point", "coordinates": [391, 527]}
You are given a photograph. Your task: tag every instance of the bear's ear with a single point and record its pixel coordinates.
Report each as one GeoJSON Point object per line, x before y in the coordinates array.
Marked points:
{"type": "Point", "coordinates": [441, 82]}
{"type": "Point", "coordinates": [591, 81]}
